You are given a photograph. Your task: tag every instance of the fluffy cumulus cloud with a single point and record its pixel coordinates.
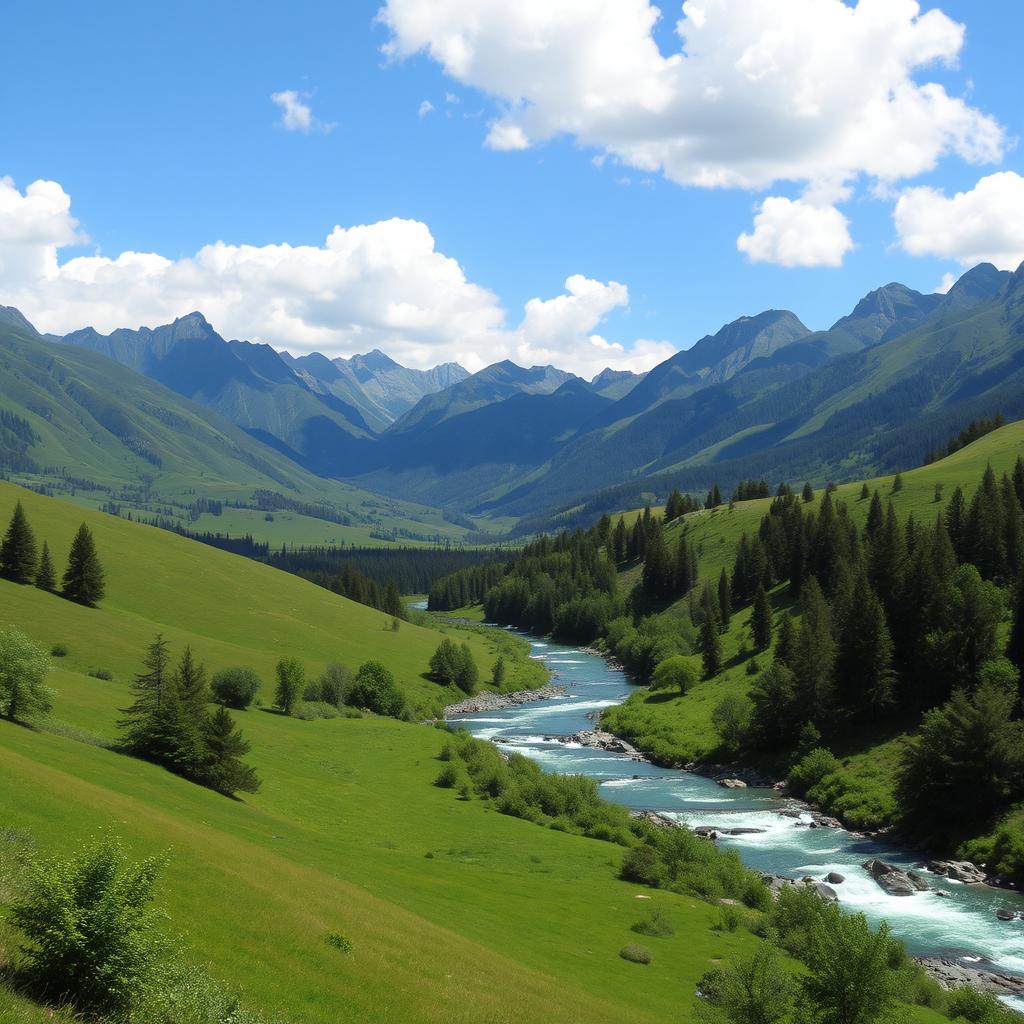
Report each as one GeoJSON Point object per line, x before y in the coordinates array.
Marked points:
{"type": "Point", "coordinates": [985, 224]}
{"type": "Point", "coordinates": [374, 285]}
{"type": "Point", "coordinates": [297, 114]}
{"type": "Point", "coordinates": [815, 92]}
{"type": "Point", "coordinates": [795, 233]}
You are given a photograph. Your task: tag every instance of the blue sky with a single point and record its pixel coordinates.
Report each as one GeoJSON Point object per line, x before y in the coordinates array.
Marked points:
{"type": "Point", "coordinates": [157, 121]}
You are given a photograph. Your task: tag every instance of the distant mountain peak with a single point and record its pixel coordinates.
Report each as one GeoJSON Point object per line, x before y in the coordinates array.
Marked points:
{"type": "Point", "coordinates": [15, 318]}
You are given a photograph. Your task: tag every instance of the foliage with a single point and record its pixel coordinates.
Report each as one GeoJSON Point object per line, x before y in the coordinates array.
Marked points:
{"type": "Point", "coordinates": [18, 552]}
{"type": "Point", "coordinates": [655, 924]}
{"type": "Point", "coordinates": [84, 576]}
{"type": "Point", "coordinates": [811, 769]}
{"type": "Point", "coordinates": [636, 954]}
{"type": "Point", "coordinates": [675, 673]}
{"type": "Point", "coordinates": [93, 936]}
{"type": "Point", "coordinates": [23, 668]}
{"type": "Point", "coordinates": [235, 687]}
{"type": "Point", "coordinates": [291, 679]}
{"type": "Point", "coordinates": [753, 990]}
{"type": "Point", "coordinates": [374, 690]}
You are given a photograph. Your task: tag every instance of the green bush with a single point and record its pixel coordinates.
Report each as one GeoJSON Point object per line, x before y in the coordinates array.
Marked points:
{"type": "Point", "coordinates": [338, 941]}
{"type": "Point", "coordinates": [59, 650]}
{"type": "Point", "coordinates": [310, 710]}
{"type": "Point", "coordinates": [811, 769]}
{"type": "Point", "coordinates": [374, 689]}
{"type": "Point", "coordinates": [92, 936]}
{"type": "Point", "coordinates": [235, 687]}
{"type": "Point", "coordinates": [636, 954]}
{"type": "Point", "coordinates": [102, 673]}
{"type": "Point", "coordinates": [655, 924]}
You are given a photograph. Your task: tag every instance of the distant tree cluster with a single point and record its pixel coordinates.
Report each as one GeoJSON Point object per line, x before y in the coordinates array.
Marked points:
{"type": "Point", "coordinates": [679, 505]}
{"type": "Point", "coordinates": [23, 561]}
{"type": "Point", "coordinates": [747, 490]}
{"type": "Point", "coordinates": [169, 723]}
{"type": "Point", "coordinates": [972, 432]}
{"type": "Point", "coordinates": [465, 587]}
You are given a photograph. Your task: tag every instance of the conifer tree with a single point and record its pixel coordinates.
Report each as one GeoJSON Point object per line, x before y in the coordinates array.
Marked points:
{"type": "Point", "coordinates": [657, 572]}
{"type": "Point", "coordinates": [897, 483]}
{"type": "Point", "coordinates": [1015, 644]}
{"type": "Point", "coordinates": [46, 576]}
{"type": "Point", "coordinates": [150, 689]}
{"type": "Point", "coordinates": [83, 579]}
{"type": "Point", "coordinates": [18, 553]}
{"type": "Point", "coordinates": [684, 568]}
{"type": "Point", "coordinates": [761, 620]}
{"type": "Point", "coordinates": [808, 492]}
{"type": "Point", "coordinates": [192, 694]}
{"type": "Point", "coordinates": [444, 662]}
{"type": "Point", "coordinates": [864, 672]}
{"type": "Point", "coordinates": [709, 639]}
{"type": "Point", "coordinates": [864, 492]}
{"type": "Point", "coordinates": [619, 542]}
{"type": "Point", "coordinates": [815, 653]}
{"type": "Point", "coordinates": [724, 601]}
{"type": "Point", "coordinates": [498, 672]}
{"type": "Point", "coordinates": [956, 515]}
{"type": "Point", "coordinates": [466, 673]}
{"type": "Point", "coordinates": [224, 746]}
{"type": "Point", "coordinates": [1018, 479]}
{"type": "Point", "coordinates": [674, 506]}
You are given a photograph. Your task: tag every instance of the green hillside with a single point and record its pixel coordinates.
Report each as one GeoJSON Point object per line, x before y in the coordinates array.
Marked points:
{"type": "Point", "coordinates": [439, 897]}
{"type": "Point", "coordinates": [680, 729]}
{"type": "Point", "coordinates": [92, 430]}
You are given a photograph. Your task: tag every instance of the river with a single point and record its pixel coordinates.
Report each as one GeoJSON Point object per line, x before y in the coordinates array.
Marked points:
{"type": "Point", "coordinates": [962, 927]}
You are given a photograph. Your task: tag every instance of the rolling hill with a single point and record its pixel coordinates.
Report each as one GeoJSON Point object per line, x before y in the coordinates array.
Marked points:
{"type": "Point", "coordinates": [440, 898]}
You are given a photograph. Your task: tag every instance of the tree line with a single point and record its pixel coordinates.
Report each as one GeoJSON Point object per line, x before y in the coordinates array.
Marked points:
{"type": "Point", "coordinates": [23, 561]}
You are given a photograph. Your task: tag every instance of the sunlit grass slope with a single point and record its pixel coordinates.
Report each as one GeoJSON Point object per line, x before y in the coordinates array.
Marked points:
{"type": "Point", "coordinates": [455, 913]}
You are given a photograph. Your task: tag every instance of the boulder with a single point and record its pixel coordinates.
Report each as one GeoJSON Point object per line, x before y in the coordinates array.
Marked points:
{"type": "Point", "coordinates": [732, 783]}
{"type": "Point", "coordinates": [958, 870]}
{"type": "Point", "coordinates": [826, 892]}
{"type": "Point", "coordinates": [1003, 914]}
{"type": "Point", "coordinates": [890, 878]}
{"type": "Point", "coordinates": [834, 878]}
{"type": "Point", "coordinates": [918, 882]}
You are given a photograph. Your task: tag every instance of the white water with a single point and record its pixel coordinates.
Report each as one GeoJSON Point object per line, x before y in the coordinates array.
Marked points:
{"type": "Point", "coordinates": [962, 926]}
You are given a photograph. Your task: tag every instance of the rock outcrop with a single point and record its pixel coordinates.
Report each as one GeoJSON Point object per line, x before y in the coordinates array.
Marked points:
{"type": "Point", "coordinates": [952, 974]}
{"type": "Point", "coordinates": [894, 880]}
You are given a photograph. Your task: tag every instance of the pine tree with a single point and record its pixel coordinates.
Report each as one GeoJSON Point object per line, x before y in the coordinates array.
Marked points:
{"type": "Point", "coordinates": [808, 492]}
{"type": "Point", "coordinates": [684, 578]}
{"type": "Point", "coordinates": [150, 690]}
{"type": "Point", "coordinates": [710, 639]}
{"type": "Point", "coordinates": [46, 576]}
{"type": "Point", "coordinates": [224, 746]}
{"type": "Point", "coordinates": [83, 580]}
{"type": "Point", "coordinates": [192, 695]}
{"type": "Point", "coordinates": [956, 516]}
{"type": "Point", "coordinates": [864, 492]}
{"type": "Point", "coordinates": [897, 483]}
{"type": "Point", "coordinates": [815, 653]}
{"type": "Point", "coordinates": [785, 646]}
{"type": "Point", "coordinates": [619, 542]}
{"type": "Point", "coordinates": [466, 674]}
{"type": "Point", "coordinates": [674, 506]}
{"type": "Point", "coordinates": [18, 553]}
{"type": "Point", "coordinates": [864, 672]}
{"type": "Point", "coordinates": [657, 572]}
{"type": "Point", "coordinates": [498, 672]}
{"type": "Point", "coordinates": [724, 601]}
{"type": "Point", "coordinates": [761, 620]}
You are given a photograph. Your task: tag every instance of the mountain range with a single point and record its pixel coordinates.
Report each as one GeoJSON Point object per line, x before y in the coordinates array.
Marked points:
{"type": "Point", "coordinates": [764, 395]}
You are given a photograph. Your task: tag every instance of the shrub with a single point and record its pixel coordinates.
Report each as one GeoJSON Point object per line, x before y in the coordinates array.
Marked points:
{"type": "Point", "coordinates": [374, 689]}
{"type": "Point", "coordinates": [59, 651]}
{"type": "Point", "coordinates": [335, 683]}
{"type": "Point", "coordinates": [636, 954]}
{"type": "Point", "coordinates": [811, 769]}
{"type": "Point", "coordinates": [93, 936]}
{"type": "Point", "coordinates": [655, 924]}
{"type": "Point", "coordinates": [977, 1007]}
{"type": "Point", "coordinates": [449, 777]}
{"type": "Point", "coordinates": [641, 864]}
{"type": "Point", "coordinates": [101, 673]}
{"type": "Point", "coordinates": [309, 710]}
{"type": "Point", "coordinates": [338, 941]}
{"type": "Point", "coordinates": [728, 920]}
{"type": "Point", "coordinates": [235, 687]}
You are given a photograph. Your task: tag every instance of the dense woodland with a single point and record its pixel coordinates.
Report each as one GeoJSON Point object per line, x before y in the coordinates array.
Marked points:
{"type": "Point", "coordinates": [891, 625]}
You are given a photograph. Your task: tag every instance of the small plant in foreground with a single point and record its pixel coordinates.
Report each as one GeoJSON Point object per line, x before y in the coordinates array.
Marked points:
{"type": "Point", "coordinates": [655, 924]}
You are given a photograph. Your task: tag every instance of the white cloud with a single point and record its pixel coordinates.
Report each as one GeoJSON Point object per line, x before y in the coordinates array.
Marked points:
{"type": "Point", "coordinates": [983, 225]}
{"type": "Point", "coordinates": [815, 92]}
{"type": "Point", "coordinates": [426, 107]}
{"type": "Point", "coordinates": [796, 233]}
{"type": "Point", "coordinates": [296, 114]}
{"type": "Point", "coordinates": [373, 285]}
{"type": "Point", "coordinates": [947, 282]}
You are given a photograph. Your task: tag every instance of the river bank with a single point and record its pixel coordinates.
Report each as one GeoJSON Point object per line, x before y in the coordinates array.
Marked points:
{"type": "Point", "coordinates": [773, 833]}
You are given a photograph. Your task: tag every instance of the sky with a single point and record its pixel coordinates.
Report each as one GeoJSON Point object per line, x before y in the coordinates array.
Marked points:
{"type": "Point", "coordinates": [588, 183]}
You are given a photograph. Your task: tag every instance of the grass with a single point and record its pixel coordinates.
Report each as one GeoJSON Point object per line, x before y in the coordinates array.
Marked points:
{"type": "Point", "coordinates": [455, 913]}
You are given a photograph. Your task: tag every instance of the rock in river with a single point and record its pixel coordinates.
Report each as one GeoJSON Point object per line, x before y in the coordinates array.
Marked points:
{"type": "Point", "coordinates": [894, 881]}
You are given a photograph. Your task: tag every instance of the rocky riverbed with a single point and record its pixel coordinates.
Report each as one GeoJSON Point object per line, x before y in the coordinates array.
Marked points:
{"type": "Point", "coordinates": [489, 701]}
